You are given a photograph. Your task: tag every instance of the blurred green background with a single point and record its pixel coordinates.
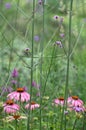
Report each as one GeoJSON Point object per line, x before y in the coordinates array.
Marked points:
{"type": "Point", "coordinates": [16, 36]}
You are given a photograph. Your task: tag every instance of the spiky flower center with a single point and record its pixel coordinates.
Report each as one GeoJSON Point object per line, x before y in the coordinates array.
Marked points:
{"type": "Point", "coordinates": [61, 99]}
{"type": "Point", "coordinates": [33, 103]}
{"type": "Point", "coordinates": [75, 97]}
{"type": "Point", "coordinates": [16, 117]}
{"type": "Point", "coordinates": [9, 102]}
{"type": "Point", "coordinates": [20, 90]}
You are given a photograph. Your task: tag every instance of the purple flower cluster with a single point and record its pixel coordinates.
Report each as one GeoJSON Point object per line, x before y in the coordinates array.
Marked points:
{"type": "Point", "coordinates": [15, 73]}
{"type": "Point", "coordinates": [7, 5]}
{"type": "Point", "coordinates": [59, 43]}
{"type": "Point", "coordinates": [36, 38]}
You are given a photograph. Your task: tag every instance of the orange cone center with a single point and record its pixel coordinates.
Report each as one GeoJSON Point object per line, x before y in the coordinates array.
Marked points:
{"type": "Point", "coordinates": [33, 103]}
{"type": "Point", "coordinates": [20, 90]}
{"type": "Point", "coordinates": [16, 117]}
{"type": "Point", "coordinates": [75, 97]}
{"type": "Point", "coordinates": [61, 99]}
{"type": "Point", "coordinates": [9, 102]}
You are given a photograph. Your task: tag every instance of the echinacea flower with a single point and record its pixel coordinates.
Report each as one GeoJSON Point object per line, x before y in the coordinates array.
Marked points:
{"type": "Point", "coordinates": [10, 107]}
{"type": "Point", "coordinates": [32, 106]}
{"type": "Point", "coordinates": [34, 84]}
{"type": "Point", "coordinates": [79, 109]}
{"type": "Point", "coordinates": [15, 73]}
{"type": "Point", "coordinates": [14, 117]}
{"type": "Point", "coordinates": [74, 101]}
{"type": "Point", "coordinates": [19, 95]}
{"type": "Point", "coordinates": [59, 101]}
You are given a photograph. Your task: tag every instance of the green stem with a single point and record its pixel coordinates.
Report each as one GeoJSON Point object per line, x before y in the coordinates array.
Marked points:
{"type": "Point", "coordinates": [67, 73]}
{"type": "Point", "coordinates": [41, 60]}
{"type": "Point", "coordinates": [16, 124]}
{"type": "Point", "coordinates": [33, 16]}
{"type": "Point", "coordinates": [49, 70]}
{"type": "Point", "coordinates": [84, 118]}
{"type": "Point", "coordinates": [14, 34]}
{"type": "Point", "coordinates": [74, 124]}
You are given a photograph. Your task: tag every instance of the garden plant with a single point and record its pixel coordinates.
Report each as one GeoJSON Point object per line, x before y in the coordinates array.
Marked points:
{"type": "Point", "coordinates": [42, 65]}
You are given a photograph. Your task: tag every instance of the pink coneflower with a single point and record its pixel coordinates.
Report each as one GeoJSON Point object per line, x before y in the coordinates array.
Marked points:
{"type": "Point", "coordinates": [14, 117]}
{"type": "Point", "coordinates": [79, 109]}
{"type": "Point", "coordinates": [59, 101]}
{"type": "Point", "coordinates": [32, 106]}
{"type": "Point", "coordinates": [19, 95]}
{"type": "Point", "coordinates": [74, 101]}
{"type": "Point", "coordinates": [10, 107]}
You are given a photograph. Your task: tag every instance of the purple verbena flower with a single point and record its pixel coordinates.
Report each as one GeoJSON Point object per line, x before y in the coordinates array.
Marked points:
{"type": "Point", "coordinates": [8, 5]}
{"type": "Point", "coordinates": [34, 84]}
{"type": "Point", "coordinates": [62, 35]}
{"type": "Point", "coordinates": [15, 73]}
{"type": "Point", "coordinates": [27, 49]}
{"type": "Point", "coordinates": [58, 43]}
{"type": "Point", "coordinates": [40, 2]}
{"type": "Point", "coordinates": [14, 82]}
{"type": "Point", "coordinates": [55, 17]}
{"type": "Point", "coordinates": [36, 38]}
{"type": "Point", "coordinates": [9, 89]}
{"type": "Point", "coordinates": [6, 90]}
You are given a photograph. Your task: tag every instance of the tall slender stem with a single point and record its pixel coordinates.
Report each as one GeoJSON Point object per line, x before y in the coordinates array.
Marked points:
{"type": "Point", "coordinates": [69, 51]}
{"type": "Point", "coordinates": [14, 34]}
{"type": "Point", "coordinates": [41, 49]}
{"type": "Point", "coordinates": [33, 16]}
{"type": "Point", "coordinates": [67, 73]}
{"type": "Point", "coordinates": [74, 124]}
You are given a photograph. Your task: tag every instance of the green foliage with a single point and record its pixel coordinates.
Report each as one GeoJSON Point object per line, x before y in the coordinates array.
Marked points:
{"type": "Point", "coordinates": [49, 65]}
